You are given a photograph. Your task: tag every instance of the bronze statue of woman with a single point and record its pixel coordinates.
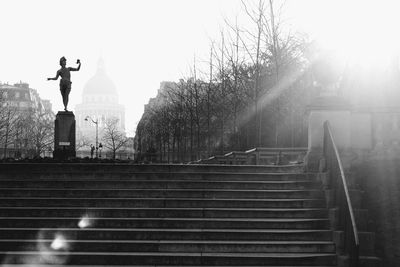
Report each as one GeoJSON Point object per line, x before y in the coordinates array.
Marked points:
{"type": "Point", "coordinates": [65, 82]}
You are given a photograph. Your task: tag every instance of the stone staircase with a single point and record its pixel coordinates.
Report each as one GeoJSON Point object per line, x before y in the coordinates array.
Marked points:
{"type": "Point", "coordinates": [162, 215]}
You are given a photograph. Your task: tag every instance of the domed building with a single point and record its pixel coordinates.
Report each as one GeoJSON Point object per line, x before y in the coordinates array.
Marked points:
{"type": "Point", "coordinates": [100, 103]}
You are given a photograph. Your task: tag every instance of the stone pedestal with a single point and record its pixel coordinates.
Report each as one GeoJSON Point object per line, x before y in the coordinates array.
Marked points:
{"type": "Point", "coordinates": [64, 135]}
{"type": "Point", "coordinates": [335, 110]}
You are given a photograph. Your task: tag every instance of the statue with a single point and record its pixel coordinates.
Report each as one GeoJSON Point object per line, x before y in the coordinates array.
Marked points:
{"type": "Point", "coordinates": [65, 82]}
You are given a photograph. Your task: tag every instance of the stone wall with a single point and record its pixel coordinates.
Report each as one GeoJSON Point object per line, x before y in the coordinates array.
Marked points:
{"type": "Point", "coordinates": [380, 178]}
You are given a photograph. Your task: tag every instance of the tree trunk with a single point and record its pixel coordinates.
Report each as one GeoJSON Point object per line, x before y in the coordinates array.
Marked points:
{"type": "Point", "coordinates": [6, 139]}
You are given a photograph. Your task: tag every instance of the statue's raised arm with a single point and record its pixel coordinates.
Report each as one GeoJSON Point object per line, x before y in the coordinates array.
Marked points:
{"type": "Point", "coordinates": [78, 68]}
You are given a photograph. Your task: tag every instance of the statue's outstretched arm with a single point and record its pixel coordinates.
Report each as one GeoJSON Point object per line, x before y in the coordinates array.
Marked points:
{"type": "Point", "coordinates": [78, 68]}
{"type": "Point", "coordinates": [55, 78]}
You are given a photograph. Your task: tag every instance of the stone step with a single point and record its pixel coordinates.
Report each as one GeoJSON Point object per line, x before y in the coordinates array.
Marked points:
{"type": "Point", "coordinates": [365, 261]}
{"type": "Point", "coordinates": [370, 261]}
{"type": "Point", "coordinates": [183, 223]}
{"type": "Point", "coordinates": [160, 184]}
{"type": "Point", "coordinates": [233, 246]}
{"type": "Point", "coordinates": [165, 193]}
{"type": "Point", "coordinates": [168, 258]}
{"type": "Point", "coordinates": [57, 265]}
{"type": "Point", "coordinates": [79, 168]}
{"type": "Point", "coordinates": [163, 215]}
{"type": "Point", "coordinates": [206, 176]}
{"type": "Point", "coordinates": [168, 234]}
{"type": "Point", "coordinates": [160, 202]}
{"type": "Point", "coordinates": [164, 212]}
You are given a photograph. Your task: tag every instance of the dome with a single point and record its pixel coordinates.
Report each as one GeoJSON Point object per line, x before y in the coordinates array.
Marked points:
{"type": "Point", "coordinates": [100, 83]}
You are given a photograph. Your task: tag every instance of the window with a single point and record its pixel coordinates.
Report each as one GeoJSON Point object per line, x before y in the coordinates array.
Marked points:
{"type": "Point", "coordinates": [5, 94]}
{"type": "Point", "coordinates": [16, 94]}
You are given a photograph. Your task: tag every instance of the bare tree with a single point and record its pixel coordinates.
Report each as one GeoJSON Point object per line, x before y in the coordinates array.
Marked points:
{"type": "Point", "coordinates": [82, 142]}
{"type": "Point", "coordinates": [42, 133]}
{"type": "Point", "coordinates": [239, 102]}
{"type": "Point", "coordinates": [8, 121]}
{"type": "Point", "coordinates": [113, 138]}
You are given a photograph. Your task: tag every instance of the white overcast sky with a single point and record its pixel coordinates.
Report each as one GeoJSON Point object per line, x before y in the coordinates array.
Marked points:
{"type": "Point", "coordinates": [142, 42]}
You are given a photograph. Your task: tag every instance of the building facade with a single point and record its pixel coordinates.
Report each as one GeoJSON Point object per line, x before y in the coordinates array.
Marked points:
{"type": "Point", "coordinates": [26, 122]}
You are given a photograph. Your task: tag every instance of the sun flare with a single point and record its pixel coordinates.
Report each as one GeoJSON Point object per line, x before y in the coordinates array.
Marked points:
{"type": "Point", "coordinates": [362, 32]}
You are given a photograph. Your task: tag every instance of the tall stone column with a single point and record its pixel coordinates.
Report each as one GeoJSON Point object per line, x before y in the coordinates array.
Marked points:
{"type": "Point", "coordinates": [335, 110]}
{"type": "Point", "coordinates": [64, 135]}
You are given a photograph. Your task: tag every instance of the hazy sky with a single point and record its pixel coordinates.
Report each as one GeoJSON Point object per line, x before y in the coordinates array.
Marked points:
{"type": "Point", "coordinates": [142, 42]}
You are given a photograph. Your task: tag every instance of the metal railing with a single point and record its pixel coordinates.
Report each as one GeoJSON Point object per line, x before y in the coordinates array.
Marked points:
{"type": "Point", "coordinates": [259, 156]}
{"type": "Point", "coordinates": [276, 156]}
{"type": "Point", "coordinates": [346, 218]}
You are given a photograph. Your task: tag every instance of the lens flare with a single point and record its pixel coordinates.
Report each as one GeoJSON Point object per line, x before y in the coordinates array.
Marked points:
{"type": "Point", "coordinates": [361, 31]}
{"type": "Point", "coordinates": [58, 243]}
{"type": "Point", "coordinates": [55, 252]}
{"type": "Point", "coordinates": [84, 222]}
{"type": "Point", "coordinates": [52, 248]}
